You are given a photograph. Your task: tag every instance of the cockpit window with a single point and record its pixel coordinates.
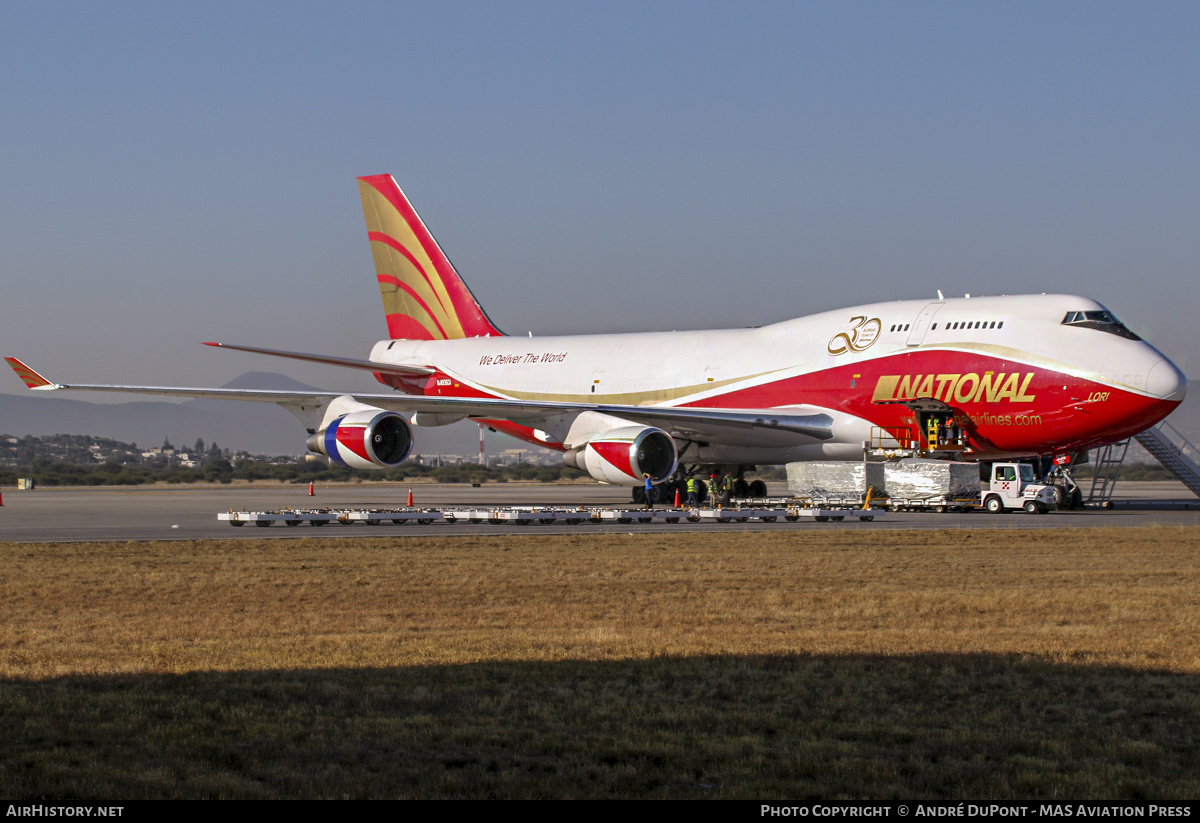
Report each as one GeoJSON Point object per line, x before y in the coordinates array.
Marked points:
{"type": "Point", "coordinates": [1099, 320]}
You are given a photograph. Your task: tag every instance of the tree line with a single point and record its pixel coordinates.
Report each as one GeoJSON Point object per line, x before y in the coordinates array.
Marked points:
{"type": "Point", "coordinates": [54, 473]}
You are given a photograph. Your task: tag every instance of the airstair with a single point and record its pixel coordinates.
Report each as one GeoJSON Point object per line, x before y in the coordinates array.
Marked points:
{"type": "Point", "coordinates": [1164, 442]}
{"type": "Point", "coordinates": [1106, 471]}
{"type": "Point", "coordinates": [1173, 450]}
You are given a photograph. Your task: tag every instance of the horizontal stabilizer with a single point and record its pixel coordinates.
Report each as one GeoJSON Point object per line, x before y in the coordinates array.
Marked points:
{"type": "Point", "coordinates": [346, 362]}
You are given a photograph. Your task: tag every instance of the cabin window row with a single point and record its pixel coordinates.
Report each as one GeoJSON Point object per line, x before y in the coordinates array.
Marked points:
{"type": "Point", "coordinates": [975, 324]}
{"type": "Point", "coordinates": [955, 326]}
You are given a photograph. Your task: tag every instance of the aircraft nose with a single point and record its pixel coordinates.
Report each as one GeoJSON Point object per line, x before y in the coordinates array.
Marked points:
{"type": "Point", "coordinates": [1166, 381]}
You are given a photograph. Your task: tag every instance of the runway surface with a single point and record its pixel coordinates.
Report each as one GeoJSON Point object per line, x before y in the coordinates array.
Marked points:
{"type": "Point", "coordinates": [190, 512]}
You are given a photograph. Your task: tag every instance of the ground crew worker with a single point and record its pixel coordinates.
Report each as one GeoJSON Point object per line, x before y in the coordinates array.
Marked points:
{"type": "Point", "coordinates": [726, 488]}
{"type": "Point", "coordinates": [648, 485]}
{"type": "Point", "coordinates": [693, 493]}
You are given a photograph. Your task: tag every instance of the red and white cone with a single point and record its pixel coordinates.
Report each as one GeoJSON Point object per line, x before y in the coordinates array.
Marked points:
{"type": "Point", "coordinates": [676, 498]}
{"type": "Point", "coordinates": [409, 503]}
{"type": "Point", "coordinates": [310, 489]}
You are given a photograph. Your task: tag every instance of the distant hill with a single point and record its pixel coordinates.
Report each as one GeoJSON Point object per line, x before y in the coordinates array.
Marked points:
{"type": "Point", "coordinates": [260, 428]}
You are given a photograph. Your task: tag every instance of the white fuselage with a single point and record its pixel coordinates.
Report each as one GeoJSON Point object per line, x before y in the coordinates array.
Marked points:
{"type": "Point", "coordinates": [831, 361]}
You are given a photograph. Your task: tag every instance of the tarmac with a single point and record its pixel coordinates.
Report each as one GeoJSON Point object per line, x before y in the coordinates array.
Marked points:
{"type": "Point", "coordinates": [178, 512]}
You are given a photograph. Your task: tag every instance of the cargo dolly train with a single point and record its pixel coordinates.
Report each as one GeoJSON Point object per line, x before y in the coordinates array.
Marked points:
{"type": "Point", "coordinates": [824, 491]}
{"type": "Point", "coordinates": [741, 512]}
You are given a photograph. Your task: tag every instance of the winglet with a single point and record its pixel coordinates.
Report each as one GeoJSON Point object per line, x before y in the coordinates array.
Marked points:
{"type": "Point", "coordinates": [32, 379]}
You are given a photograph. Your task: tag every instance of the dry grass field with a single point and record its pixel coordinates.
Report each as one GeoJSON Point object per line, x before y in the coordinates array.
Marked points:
{"type": "Point", "coordinates": [917, 664]}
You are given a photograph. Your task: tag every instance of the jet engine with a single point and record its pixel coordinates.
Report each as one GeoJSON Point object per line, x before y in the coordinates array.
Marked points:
{"type": "Point", "coordinates": [620, 456]}
{"type": "Point", "coordinates": [370, 439]}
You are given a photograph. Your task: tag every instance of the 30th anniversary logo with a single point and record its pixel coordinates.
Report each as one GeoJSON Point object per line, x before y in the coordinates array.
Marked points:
{"type": "Point", "coordinates": [858, 336]}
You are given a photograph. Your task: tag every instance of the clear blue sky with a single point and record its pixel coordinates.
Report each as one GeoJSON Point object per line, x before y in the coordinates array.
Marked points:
{"type": "Point", "coordinates": [180, 172]}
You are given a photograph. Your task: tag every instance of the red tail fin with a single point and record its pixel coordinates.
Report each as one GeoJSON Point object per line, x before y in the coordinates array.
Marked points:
{"type": "Point", "coordinates": [423, 296]}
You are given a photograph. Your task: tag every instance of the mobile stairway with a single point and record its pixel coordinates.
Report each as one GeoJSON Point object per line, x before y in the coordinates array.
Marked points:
{"type": "Point", "coordinates": [1173, 450]}
{"type": "Point", "coordinates": [1165, 443]}
{"type": "Point", "coordinates": [1105, 473]}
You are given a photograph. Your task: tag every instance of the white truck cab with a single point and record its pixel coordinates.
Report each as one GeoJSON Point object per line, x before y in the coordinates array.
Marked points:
{"type": "Point", "coordinates": [1014, 486]}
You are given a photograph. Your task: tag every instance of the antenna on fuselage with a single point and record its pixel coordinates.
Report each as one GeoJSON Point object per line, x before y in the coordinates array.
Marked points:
{"type": "Point", "coordinates": [940, 295]}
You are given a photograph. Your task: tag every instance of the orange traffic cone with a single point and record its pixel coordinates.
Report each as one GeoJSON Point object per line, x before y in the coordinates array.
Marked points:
{"type": "Point", "coordinates": [677, 497]}
{"type": "Point", "coordinates": [409, 503]}
{"type": "Point", "coordinates": [310, 489]}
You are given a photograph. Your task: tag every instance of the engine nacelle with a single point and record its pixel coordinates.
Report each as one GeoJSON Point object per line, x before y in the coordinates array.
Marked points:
{"type": "Point", "coordinates": [620, 456]}
{"type": "Point", "coordinates": [373, 439]}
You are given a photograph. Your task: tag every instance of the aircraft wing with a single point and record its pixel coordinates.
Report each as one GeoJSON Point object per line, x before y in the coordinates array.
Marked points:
{"type": "Point", "coordinates": [732, 426]}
